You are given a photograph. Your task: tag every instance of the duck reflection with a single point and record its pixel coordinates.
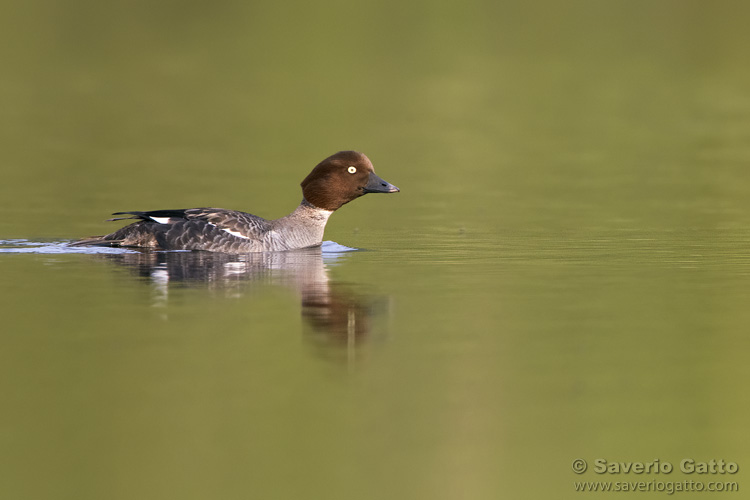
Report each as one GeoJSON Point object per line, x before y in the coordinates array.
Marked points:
{"type": "Point", "coordinates": [333, 312]}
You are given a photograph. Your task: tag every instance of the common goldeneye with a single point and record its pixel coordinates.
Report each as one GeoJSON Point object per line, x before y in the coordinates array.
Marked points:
{"type": "Point", "coordinates": [335, 181]}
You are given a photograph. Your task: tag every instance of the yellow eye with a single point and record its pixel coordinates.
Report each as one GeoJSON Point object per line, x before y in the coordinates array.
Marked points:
{"type": "Point", "coordinates": [351, 169]}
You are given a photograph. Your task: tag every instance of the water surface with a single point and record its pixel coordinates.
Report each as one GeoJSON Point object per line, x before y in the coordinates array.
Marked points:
{"type": "Point", "coordinates": [564, 275]}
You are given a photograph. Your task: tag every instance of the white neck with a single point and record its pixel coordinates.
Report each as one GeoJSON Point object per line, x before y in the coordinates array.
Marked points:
{"type": "Point", "coordinates": [302, 228]}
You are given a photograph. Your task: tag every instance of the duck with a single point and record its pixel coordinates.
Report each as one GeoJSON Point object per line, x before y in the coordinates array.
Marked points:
{"type": "Point", "coordinates": [334, 182]}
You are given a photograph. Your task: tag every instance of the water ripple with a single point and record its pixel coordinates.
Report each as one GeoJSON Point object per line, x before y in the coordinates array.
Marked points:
{"type": "Point", "coordinates": [330, 248]}
{"type": "Point", "coordinates": [54, 247]}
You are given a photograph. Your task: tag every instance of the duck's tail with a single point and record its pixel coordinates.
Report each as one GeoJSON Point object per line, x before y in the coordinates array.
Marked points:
{"type": "Point", "coordinates": [96, 241]}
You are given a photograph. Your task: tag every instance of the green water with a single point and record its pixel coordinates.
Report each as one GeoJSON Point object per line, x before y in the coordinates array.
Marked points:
{"type": "Point", "coordinates": [565, 274]}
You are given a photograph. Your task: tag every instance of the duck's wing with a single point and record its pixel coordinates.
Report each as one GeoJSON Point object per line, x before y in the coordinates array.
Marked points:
{"type": "Point", "coordinates": [213, 229]}
{"type": "Point", "coordinates": [240, 224]}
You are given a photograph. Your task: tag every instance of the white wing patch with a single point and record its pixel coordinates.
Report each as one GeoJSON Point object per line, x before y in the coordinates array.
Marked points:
{"type": "Point", "coordinates": [235, 233]}
{"type": "Point", "coordinates": [160, 220]}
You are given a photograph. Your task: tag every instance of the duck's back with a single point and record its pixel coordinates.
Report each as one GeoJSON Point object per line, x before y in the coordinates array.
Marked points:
{"type": "Point", "coordinates": [212, 229]}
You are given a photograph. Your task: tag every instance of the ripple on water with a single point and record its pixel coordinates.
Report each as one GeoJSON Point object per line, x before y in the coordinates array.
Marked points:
{"type": "Point", "coordinates": [330, 248]}
{"type": "Point", "coordinates": [53, 247]}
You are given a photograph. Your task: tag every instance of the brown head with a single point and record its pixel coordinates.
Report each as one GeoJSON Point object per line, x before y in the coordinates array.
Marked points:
{"type": "Point", "coordinates": [341, 178]}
